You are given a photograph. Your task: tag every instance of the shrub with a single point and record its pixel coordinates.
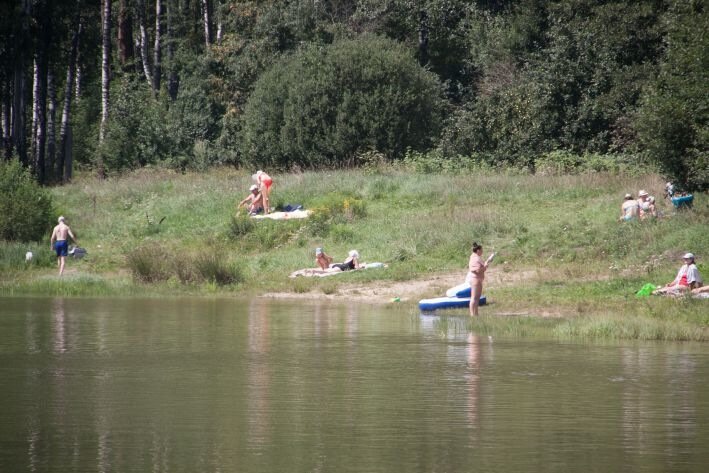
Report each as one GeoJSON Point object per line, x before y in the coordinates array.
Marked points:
{"type": "Point", "coordinates": [25, 208]}
{"type": "Point", "coordinates": [329, 104]}
{"type": "Point", "coordinates": [214, 269]}
{"type": "Point", "coordinates": [240, 225]}
{"type": "Point", "coordinates": [12, 255]}
{"type": "Point", "coordinates": [149, 263]}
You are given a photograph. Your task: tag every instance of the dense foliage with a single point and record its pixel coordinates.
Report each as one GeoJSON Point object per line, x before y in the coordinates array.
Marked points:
{"type": "Point", "coordinates": [191, 83]}
{"type": "Point", "coordinates": [25, 207]}
{"type": "Point", "coordinates": [327, 104]}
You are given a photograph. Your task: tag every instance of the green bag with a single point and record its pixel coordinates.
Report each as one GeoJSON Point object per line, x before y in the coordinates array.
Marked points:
{"type": "Point", "coordinates": [646, 290]}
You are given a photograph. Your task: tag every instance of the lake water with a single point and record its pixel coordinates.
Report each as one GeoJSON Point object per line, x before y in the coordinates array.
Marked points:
{"type": "Point", "coordinates": [199, 385]}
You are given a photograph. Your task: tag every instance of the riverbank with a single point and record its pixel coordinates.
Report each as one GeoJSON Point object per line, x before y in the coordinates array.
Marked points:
{"type": "Point", "coordinates": [562, 254]}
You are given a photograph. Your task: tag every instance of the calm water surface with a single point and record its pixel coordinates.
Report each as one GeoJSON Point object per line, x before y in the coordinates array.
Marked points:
{"type": "Point", "coordinates": [195, 385]}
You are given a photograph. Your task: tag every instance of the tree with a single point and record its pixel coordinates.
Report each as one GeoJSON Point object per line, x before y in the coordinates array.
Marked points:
{"type": "Point", "coordinates": [25, 208]}
{"type": "Point", "coordinates": [673, 122]}
{"type": "Point", "coordinates": [327, 104]}
{"type": "Point", "coordinates": [105, 70]}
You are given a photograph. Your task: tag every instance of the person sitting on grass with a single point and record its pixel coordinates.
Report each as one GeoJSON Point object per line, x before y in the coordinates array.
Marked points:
{"type": "Point", "coordinates": [255, 201]}
{"type": "Point", "coordinates": [322, 259]}
{"type": "Point", "coordinates": [352, 262]}
{"type": "Point", "coordinates": [629, 208]}
{"type": "Point", "coordinates": [646, 205]}
{"type": "Point", "coordinates": [688, 278]}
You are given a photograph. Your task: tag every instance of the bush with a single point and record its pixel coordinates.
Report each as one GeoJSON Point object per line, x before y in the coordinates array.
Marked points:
{"type": "Point", "coordinates": [149, 263]}
{"type": "Point", "coordinates": [240, 225]}
{"type": "Point", "coordinates": [214, 269]}
{"type": "Point", "coordinates": [12, 255]}
{"type": "Point", "coordinates": [25, 208]}
{"type": "Point", "coordinates": [328, 105]}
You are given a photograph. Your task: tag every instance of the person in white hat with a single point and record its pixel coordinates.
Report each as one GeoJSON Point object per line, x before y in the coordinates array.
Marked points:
{"type": "Point", "coordinates": [688, 278]}
{"type": "Point", "coordinates": [254, 200]}
{"type": "Point", "coordinates": [628, 209]}
{"type": "Point", "coordinates": [322, 259]}
{"type": "Point", "coordinates": [352, 262]}
{"type": "Point", "coordinates": [646, 205]}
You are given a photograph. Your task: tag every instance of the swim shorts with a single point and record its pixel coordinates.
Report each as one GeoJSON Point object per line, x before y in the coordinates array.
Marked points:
{"type": "Point", "coordinates": [61, 247]}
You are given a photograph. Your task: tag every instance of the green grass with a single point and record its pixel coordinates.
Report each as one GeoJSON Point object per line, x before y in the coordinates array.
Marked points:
{"type": "Point", "coordinates": [419, 223]}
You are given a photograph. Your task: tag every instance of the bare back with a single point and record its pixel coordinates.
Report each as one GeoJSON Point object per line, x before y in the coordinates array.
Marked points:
{"type": "Point", "coordinates": [61, 232]}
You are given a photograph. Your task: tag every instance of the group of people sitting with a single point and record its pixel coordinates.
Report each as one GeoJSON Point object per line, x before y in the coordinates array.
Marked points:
{"type": "Point", "coordinates": [687, 279]}
{"type": "Point", "coordinates": [324, 261]}
{"type": "Point", "coordinates": [641, 208]}
{"type": "Point", "coordinates": [259, 193]}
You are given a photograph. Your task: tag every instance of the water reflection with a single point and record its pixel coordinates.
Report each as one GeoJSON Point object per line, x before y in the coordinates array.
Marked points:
{"type": "Point", "coordinates": [258, 396]}
{"type": "Point", "coordinates": [209, 385]}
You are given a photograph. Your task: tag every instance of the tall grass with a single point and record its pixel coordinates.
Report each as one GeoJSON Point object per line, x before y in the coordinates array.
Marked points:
{"type": "Point", "coordinates": [182, 230]}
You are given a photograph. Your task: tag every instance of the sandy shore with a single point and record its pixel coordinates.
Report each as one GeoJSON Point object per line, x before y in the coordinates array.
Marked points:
{"type": "Point", "coordinates": [434, 285]}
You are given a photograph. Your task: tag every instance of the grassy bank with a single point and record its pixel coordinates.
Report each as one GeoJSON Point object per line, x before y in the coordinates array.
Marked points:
{"type": "Point", "coordinates": [156, 232]}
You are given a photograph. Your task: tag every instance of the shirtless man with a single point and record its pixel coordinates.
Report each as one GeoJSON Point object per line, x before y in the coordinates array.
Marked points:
{"type": "Point", "coordinates": [256, 199]}
{"type": "Point", "coordinates": [264, 183]}
{"type": "Point", "coordinates": [59, 243]}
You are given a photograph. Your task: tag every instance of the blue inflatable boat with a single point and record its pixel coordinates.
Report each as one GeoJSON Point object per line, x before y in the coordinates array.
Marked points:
{"type": "Point", "coordinates": [429, 305]}
{"type": "Point", "coordinates": [461, 290]}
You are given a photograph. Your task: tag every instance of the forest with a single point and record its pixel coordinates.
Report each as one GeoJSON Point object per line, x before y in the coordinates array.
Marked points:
{"type": "Point", "coordinates": [108, 86]}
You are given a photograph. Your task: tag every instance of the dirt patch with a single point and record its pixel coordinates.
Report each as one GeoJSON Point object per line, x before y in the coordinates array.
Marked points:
{"type": "Point", "coordinates": [435, 285]}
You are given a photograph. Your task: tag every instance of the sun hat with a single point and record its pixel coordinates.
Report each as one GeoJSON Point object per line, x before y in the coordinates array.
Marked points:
{"type": "Point", "coordinates": [688, 256]}
{"type": "Point", "coordinates": [628, 196]}
{"type": "Point", "coordinates": [642, 193]}
{"type": "Point", "coordinates": [318, 251]}
{"type": "Point", "coordinates": [253, 187]}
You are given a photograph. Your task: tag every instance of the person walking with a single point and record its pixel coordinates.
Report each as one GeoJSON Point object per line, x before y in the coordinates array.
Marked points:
{"type": "Point", "coordinates": [59, 242]}
{"type": "Point", "coordinates": [476, 276]}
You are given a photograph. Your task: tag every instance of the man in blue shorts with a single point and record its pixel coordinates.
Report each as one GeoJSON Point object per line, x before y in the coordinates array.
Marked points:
{"type": "Point", "coordinates": [60, 243]}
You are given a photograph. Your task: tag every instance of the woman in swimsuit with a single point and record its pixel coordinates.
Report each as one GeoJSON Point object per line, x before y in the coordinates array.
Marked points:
{"type": "Point", "coordinates": [476, 276]}
{"type": "Point", "coordinates": [264, 183]}
{"type": "Point", "coordinates": [352, 262]}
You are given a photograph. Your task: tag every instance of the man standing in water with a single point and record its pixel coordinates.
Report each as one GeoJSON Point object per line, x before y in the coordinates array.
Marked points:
{"type": "Point", "coordinates": [59, 243]}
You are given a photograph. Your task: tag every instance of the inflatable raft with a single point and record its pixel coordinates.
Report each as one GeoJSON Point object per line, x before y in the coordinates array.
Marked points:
{"type": "Point", "coordinates": [429, 305]}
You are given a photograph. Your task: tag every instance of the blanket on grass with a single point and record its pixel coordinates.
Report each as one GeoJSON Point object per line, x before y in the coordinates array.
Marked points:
{"type": "Point", "coordinates": [320, 273]}
{"type": "Point", "coordinates": [285, 215]}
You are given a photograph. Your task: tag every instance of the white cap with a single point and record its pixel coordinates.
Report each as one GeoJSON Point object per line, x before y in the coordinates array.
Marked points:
{"type": "Point", "coordinates": [354, 254]}
{"type": "Point", "coordinates": [688, 256]}
{"type": "Point", "coordinates": [253, 187]}
{"type": "Point", "coordinates": [60, 219]}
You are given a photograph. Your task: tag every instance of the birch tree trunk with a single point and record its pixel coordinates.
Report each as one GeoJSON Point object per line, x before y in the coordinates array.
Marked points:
{"type": "Point", "coordinates": [66, 109]}
{"type": "Point", "coordinates": [51, 120]}
{"type": "Point", "coordinates": [35, 110]}
{"type": "Point", "coordinates": [206, 19]}
{"type": "Point", "coordinates": [157, 51]}
{"type": "Point", "coordinates": [105, 71]}
{"type": "Point", "coordinates": [6, 122]}
{"type": "Point", "coordinates": [105, 82]}
{"type": "Point", "coordinates": [173, 81]}
{"type": "Point", "coordinates": [144, 43]}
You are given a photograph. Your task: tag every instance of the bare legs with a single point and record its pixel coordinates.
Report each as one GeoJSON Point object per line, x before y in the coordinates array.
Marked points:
{"type": "Point", "coordinates": [61, 261]}
{"type": "Point", "coordinates": [476, 290]}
